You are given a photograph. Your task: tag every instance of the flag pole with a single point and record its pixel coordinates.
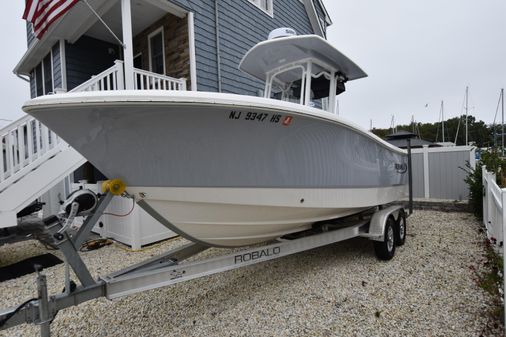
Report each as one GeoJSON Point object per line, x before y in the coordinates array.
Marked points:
{"type": "Point", "coordinates": [103, 22]}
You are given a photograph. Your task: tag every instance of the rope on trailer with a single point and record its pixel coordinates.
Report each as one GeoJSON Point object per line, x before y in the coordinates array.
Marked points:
{"type": "Point", "coordinates": [94, 244]}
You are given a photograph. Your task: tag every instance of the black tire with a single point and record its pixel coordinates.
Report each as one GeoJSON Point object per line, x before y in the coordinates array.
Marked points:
{"type": "Point", "coordinates": [400, 229]}
{"type": "Point", "coordinates": [385, 250]}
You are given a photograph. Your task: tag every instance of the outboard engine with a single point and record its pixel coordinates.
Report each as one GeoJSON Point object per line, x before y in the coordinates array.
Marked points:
{"type": "Point", "coordinates": [281, 32]}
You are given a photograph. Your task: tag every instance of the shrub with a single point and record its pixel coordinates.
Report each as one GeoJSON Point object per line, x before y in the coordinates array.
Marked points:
{"type": "Point", "coordinates": [493, 163]}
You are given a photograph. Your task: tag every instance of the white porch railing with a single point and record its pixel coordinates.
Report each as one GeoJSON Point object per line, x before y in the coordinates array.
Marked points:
{"type": "Point", "coordinates": [152, 81]}
{"type": "Point", "coordinates": [26, 143]}
{"type": "Point", "coordinates": [113, 79]}
{"type": "Point", "coordinates": [110, 79]}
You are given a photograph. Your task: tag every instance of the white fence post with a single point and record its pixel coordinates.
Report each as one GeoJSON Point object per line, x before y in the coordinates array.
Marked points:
{"type": "Point", "coordinates": [494, 209]}
{"type": "Point", "coordinates": [426, 188]}
{"type": "Point", "coordinates": [486, 197]}
{"type": "Point", "coordinates": [503, 219]}
{"type": "Point", "coordinates": [120, 80]}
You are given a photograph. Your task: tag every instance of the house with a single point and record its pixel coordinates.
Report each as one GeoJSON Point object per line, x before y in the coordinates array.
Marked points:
{"type": "Point", "coordinates": [167, 45]}
{"type": "Point", "coordinates": [183, 44]}
{"type": "Point", "coordinates": [135, 45]}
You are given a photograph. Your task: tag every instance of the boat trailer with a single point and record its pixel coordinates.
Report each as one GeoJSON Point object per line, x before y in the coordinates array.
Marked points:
{"type": "Point", "coordinates": [386, 226]}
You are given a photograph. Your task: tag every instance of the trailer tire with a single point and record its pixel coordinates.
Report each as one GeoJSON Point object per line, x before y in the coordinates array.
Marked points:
{"type": "Point", "coordinates": [385, 250]}
{"type": "Point", "coordinates": [400, 229]}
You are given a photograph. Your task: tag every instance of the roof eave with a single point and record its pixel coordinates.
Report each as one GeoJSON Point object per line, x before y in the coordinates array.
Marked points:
{"type": "Point", "coordinates": [327, 16]}
{"type": "Point", "coordinates": [26, 63]}
{"type": "Point", "coordinates": [70, 27]}
{"type": "Point", "coordinates": [313, 17]}
{"type": "Point", "coordinates": [18, 68]}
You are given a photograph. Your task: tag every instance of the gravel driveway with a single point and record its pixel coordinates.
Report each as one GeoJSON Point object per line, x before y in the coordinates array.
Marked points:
{"type": "Point", "coordinates": [428, 289]}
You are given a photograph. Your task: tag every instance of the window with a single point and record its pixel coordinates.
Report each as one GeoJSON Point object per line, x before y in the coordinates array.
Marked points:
{"type": "Point", "coordinates": [39, 86]}
{"type": "Point", "coordinates": [265, 5]}
{"type": "Point", "coordinates": [156, 51]}
{"type": "Point", "coordinates": [138, 65]}
{"type": "Point", "coordinates": [138, 61]}
{"type": "Point", "coordinates": [43, 76]}
{"type": "Point", "coordinates": [48, 74]}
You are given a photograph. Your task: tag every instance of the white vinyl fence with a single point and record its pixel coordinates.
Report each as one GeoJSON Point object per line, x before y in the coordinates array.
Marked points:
{"type": "Point", "coordinates": [494, 212]}
{"type": "Point", "coordinates": [494, 215]}
{"type": "Point", "coordinates": [438, 172]}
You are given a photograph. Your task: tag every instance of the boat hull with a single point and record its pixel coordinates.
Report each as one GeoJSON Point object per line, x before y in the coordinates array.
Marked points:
{"type": "Point", "coordinates": [282, 166]}
{"type": "Point", "coordinates": [228, 217]}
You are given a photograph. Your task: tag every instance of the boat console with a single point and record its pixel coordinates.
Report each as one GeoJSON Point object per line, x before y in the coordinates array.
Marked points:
{"type": "Point", "coordinates": [302, 69]}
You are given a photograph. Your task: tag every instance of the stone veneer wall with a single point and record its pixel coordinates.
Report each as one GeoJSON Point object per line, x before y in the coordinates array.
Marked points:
{"type": "Point", "coordinates": [177, 52]}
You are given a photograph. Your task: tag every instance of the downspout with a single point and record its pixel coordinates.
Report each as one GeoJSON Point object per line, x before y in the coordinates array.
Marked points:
{"type": "Point", "coordinates": [218, 58]}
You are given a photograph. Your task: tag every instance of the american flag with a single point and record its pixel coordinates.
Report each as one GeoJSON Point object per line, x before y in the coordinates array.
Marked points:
{"type": "Point", "coordinates": [42, 13]}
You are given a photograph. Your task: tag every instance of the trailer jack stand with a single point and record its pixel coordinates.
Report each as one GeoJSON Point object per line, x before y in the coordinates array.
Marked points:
{"type": "Point", "coordinates": [43, 300]}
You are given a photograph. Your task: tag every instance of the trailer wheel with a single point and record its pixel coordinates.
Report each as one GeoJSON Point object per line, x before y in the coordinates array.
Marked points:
{"type": "Point", "coordinates": [385, 249]}
{"type": "Point", "coordinates": [400, 230]}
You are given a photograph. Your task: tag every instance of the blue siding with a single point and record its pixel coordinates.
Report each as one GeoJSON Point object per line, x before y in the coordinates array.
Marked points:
{"type": "Point", "coordinates": [30, 37]}
{"type": "Point", "coordinates": [242, 25]}
{"type": "Point", "coordinates": [33, 92]}
{"type": "Point", "coordinates": [88, 57]}
{"type": "Point", "coordinates": [205, 43]}
{"type": "Point", "coordinates": [56, 74]}
{"type": "Point", "coordinates": [57, 78]}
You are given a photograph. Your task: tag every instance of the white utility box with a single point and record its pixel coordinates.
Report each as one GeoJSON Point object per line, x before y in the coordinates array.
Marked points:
{"type": "Point", "coordinates": [136, 229]}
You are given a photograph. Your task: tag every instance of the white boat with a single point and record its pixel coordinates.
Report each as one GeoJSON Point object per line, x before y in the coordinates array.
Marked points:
{"type": "Point", "coordinates": [233, 170]}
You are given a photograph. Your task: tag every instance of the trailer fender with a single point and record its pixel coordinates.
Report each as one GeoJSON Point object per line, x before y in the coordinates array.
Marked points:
{"type": "Point", "coordinates": [378, 222]}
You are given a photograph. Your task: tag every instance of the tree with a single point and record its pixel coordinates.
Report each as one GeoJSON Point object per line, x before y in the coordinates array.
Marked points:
{"type": "Point", "coordinates": [478, 132]}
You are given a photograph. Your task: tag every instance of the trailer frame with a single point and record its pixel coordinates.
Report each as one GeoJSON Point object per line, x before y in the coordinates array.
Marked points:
{"type": "Point", "coordinates": [170, 267]}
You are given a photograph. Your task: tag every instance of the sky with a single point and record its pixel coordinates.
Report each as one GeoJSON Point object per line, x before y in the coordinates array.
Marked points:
{"type": "Point", "coordinates": [419, 53]}
{"type": "Point", "coordinates": [13, 91]}
{"type": "Point", "coordinates": [416, 53]}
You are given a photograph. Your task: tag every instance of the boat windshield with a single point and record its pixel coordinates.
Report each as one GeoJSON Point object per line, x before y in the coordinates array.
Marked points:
{"type": "Point", "coordinates": [286, 85]}
{"type": "Point", "coordinates": [289, 84]}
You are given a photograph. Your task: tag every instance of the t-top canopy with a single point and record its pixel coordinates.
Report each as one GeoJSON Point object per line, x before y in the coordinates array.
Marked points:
{"type": "Point", "coordinates": [272, 54]}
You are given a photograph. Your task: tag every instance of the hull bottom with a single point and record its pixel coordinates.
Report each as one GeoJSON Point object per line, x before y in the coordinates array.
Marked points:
{"type": "Point", "coordinates": [234, 217]}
